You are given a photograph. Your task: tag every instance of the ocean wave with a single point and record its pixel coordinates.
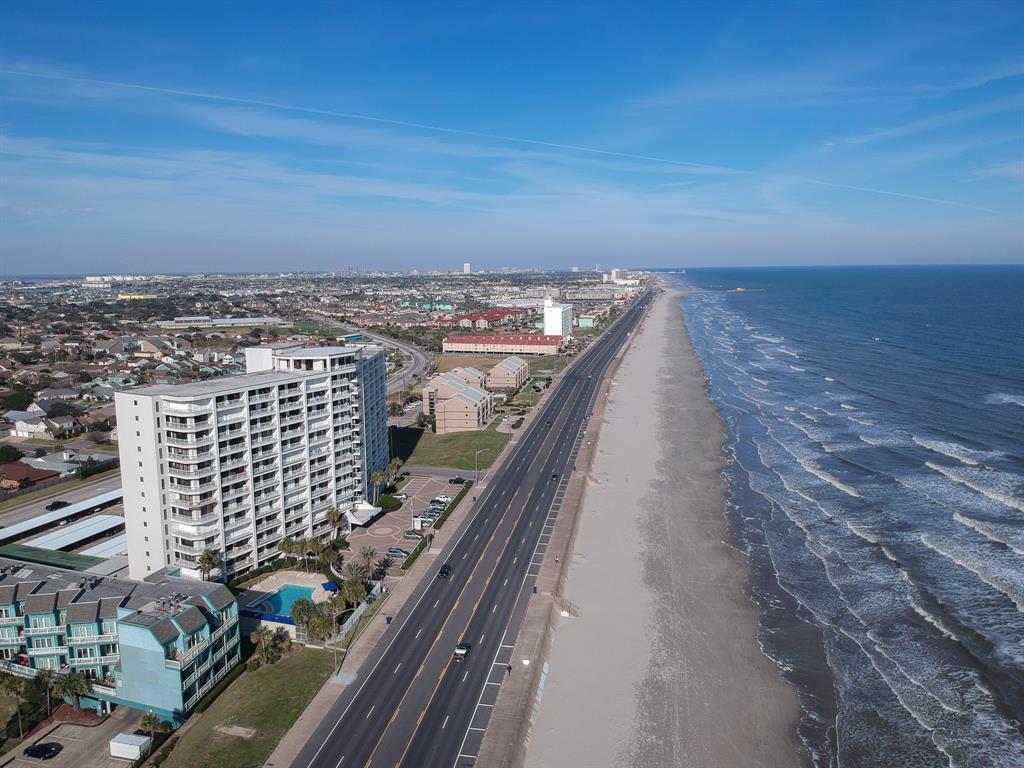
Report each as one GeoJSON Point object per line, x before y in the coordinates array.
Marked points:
{"type": "Point", "coordinates": [829, 378]}
{"type": "Point", "coordinates": [962, 477]}
{"type": "Point", "coordinates": [994, 532]}
{"type": "Point", "coordinates": [824, 476]}
{"type": "Point", "coordinates": [932, 619]}
{"type": "Point", "coordinates": [797, 368]}
{"type": "Point", "coordinates": [955, 450]}
{"type": "Point", "coordinates": [1002, 398]}
{"type": "Point", "coordinates": [984, 567]}
{"type": "Point", "coordinates": [847, 407]}
{"type": "Point", "coordinates": [789, 352]}
{"type": "Point", "coordinates": [771, 339]}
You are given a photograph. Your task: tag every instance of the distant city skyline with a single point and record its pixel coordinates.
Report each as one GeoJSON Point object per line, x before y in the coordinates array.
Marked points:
{"type": "Point", "coordinates": [198, 138]}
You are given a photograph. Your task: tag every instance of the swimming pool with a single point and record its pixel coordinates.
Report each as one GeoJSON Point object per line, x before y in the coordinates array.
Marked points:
{"type": "Point", "coordinates": [280, 603]}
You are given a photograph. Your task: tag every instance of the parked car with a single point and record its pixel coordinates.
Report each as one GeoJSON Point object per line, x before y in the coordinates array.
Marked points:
{"type": "Point", "coordinates": [412, 535]}
{"type": "Point", "coordinates": [57, 505]}
{"type": "Point", "coordinates": [400, 496]}
{"type": "Point", "coordinates": [456, 481]}
{"type": "Point", "coordinates": [443, 498]}
{"type": "Point", "coordinates": [397, 552]}
{"type": "Point", "coordinates": [43, 751]}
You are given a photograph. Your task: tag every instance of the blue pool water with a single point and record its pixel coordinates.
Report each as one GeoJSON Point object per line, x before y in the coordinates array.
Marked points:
{"type": "Point", "coordinates": [280, 603]}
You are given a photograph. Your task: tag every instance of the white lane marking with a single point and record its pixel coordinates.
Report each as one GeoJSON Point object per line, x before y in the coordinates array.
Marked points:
{"type": "Point", "coordinates": [494, 608]}
{"type": "Point", "coordinates": [370, 712]}
{"type": "Point", "coordinates": [436, 602]}
{"type": "Point", "coordinates": [418, 631]}
{"type": "Point", "coordinates": [472, 728]}
{"type": "Point", "coordinates": [482, 638]}
{"type": "Point", "coordinates": [505, 583]}
{"type": "Point", "coordinates": [465, 676]}
{"type": "Point", "coordinates": [397, 668]}
{"type": "Point", "coordinates": [464, 555]}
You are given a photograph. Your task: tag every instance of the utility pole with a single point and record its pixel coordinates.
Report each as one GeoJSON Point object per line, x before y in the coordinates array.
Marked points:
{"type": "Point", "coordinates": [476, 465]}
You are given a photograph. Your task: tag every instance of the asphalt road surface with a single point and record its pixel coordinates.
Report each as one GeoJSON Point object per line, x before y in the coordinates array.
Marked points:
{"type": "Point", "coordinates": [414, 704]}
{"type": "Point", "coordinates": [407, 375]}
{"type": "Point", "coordinates": [22, 512]}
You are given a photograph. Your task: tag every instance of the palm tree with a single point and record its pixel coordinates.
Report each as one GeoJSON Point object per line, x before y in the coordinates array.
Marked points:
{"type": "Point", "coordinates": [46, 679]}
{"type": "Point", "coordinates": [71, 686]}
{"type": "Point", "coordinates": [287, 546]}
{"type": "Point", "coordinates": [263, 637]}
{"type": "Point", "coordinates": [14, 686]}
{"type": "Point", "coordinates": [368, 554]}
{"type": "Point", "coordinates": [207, 561]}
{"type": "Point", "coordinates": [377, 479]}
{"type": "Point", "coordinates": [357, 570]}
{"type": "Point", "coordinates": [334, 519]}
{"type": "Point", "coordinates": [385, 563]}
{"type": "Point", "coordinates": [303, 610]}
{"type": "Point", "coordinates": [353, 591]}
{"type": "Point", "coordinates": [320, 628]}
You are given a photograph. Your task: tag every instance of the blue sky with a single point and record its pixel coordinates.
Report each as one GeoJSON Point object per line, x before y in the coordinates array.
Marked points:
{"type": "Point", "coordinates": [175, 137]}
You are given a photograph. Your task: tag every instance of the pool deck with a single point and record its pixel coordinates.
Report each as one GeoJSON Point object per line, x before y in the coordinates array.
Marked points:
{"type": "Point", "coordinates": [262, 590]}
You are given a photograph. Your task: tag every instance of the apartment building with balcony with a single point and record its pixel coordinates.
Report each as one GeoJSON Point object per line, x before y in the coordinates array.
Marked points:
{"type": "Point", "coordinates": [508, 375]}
{"type": "Point", "coordinates": [456, 404]}
{"type": "Point", "coordinates": [237, 463]}
{"type": "Point", "coordinates": [156, 645]}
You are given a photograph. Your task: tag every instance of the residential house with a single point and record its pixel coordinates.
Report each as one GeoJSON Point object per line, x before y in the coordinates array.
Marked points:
{"type": "Point", "coordinates": [17, 475]}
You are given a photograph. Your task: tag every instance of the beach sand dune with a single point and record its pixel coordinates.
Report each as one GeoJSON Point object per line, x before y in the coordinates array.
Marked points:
{"type": "Point", "coordinates": [661, 667]}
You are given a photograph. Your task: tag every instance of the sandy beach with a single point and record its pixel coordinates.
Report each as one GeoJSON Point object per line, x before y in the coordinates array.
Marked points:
{"type": "Point", "coordinates": [660, 666]}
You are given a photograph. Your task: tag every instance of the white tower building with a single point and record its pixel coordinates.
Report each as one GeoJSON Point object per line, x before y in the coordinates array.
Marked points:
{"type": "Point", "coordinates": [235, 464]}
{"type": "Point", "coordinates": [557, 318]}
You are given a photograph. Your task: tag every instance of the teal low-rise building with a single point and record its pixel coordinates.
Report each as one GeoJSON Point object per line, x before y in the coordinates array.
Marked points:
{"type": "Point", "coordinates": [156, 645]}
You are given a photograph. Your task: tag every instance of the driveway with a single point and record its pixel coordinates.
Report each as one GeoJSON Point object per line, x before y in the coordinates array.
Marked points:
{"type": "Point", "coordinates": [386, 531]}
{"type": "Point", "coordinates": [84, 746]}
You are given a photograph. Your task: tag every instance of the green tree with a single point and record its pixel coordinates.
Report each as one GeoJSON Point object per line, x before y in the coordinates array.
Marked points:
{"type": "Point", "coordinates": [320, 628]}
{"type": "Point", "coordinates": [357, 569]}
{"type": "Point", "coordinates": [368, 554]}
{"type": "Point", "coordinates": [9, 453]}
{"type": "Point", "coordinates": [377, 479]}
{"type": "Point", "coordinates": [208, 560]}
{"type": "Point", "coordinates": [152, 723]}
{"type": "Point", "coordinates": [263, 638]}
{"type": "Point", "coordinates": [353, 591]}
{"type": "Point", "coordinates": [334, 519]}
{"type": "Point", "coordinates": [45, 679]}
{"type": "Point", "coordinates": [303, 610]}
{"type": "Point", "coordinates": [14, 686]}
{"type": "Point", "coordinates": [72, 686]}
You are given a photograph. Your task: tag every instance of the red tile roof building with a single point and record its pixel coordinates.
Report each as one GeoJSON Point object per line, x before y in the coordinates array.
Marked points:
{"type": "Point", "coordinates": [525, 344]}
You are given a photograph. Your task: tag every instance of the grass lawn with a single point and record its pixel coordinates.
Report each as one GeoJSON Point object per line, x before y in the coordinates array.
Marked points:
{"type": "Point", "coordinates": [422, 448]}
{"type": "Point", "coordinates": [482, 363]}
{"type": "Point", "coordinates": [548, 364]}
{"type": "Point", "coordinates": [7, 706]}
{"type": "Point", "coordinates": [268, 700]}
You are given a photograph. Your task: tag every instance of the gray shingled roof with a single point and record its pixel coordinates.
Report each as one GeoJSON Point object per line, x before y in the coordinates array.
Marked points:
{"type": "Point", "coordinates": [42, 602]}
{"type": "Point", "coordinates": [220, 598]}
{"type": "Point", "coordinates": [109, 606]}
{"type": "Point", "coordinates": [164, 631]}
{"type": "Point", "coordinates": [82, 612]}
{"type": "Point", "coordinates": [66, 597]}
{"type": "Point", "coordinates": [190, 620]}
{"type": "Point", "coordinates": [7, 594]}
{"type": "Point", "coordinates": [26, 588]}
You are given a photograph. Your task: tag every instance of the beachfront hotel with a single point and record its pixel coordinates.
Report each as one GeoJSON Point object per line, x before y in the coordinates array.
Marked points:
{"type": "Point", "coordinates": [157, 645]}
{"type": "Point", "coordinates": [235, 464]}
{"type": "Point", "coordinates": [557, 319]}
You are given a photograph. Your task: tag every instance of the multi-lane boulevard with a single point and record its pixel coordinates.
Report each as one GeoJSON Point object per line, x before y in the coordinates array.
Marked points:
{"type": "Point", "coordinates": [413, 704]}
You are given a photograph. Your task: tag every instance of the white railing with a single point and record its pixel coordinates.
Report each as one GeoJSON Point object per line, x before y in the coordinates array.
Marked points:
{"type": "Point", "coordinates": [91, 639]}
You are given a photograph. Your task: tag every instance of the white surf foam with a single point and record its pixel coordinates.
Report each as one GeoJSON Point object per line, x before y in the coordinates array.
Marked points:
{"type": "Point", "coordinates": [961, 477]}
{"type": "Point", "coordinates": [1003, 398]}
{"type": "Point", "coordinates": [821, 474]}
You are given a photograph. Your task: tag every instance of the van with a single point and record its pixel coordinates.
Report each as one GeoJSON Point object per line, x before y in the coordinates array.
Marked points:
{"type": "Point", "coordinates": [461, 651]}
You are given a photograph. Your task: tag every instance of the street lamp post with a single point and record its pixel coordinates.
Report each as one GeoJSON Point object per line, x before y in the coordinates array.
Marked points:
{"type": "Point", "coordinates": [476, 465]}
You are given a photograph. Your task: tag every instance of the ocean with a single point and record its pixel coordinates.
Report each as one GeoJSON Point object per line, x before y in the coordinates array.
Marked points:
{"type": "Point", "coordinates": [875, 430]}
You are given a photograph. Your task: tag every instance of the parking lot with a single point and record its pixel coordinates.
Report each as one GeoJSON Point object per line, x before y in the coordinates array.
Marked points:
{"type": "Point", "coordinates": [386, 531]}
{"type": "Point", "coordinates": [82, 746]}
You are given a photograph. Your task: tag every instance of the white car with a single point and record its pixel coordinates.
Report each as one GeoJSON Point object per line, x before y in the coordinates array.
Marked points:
{"type": "Point", "coordinates": [400, 496]}
{"type": "Point", "coordinates": [443, 499]}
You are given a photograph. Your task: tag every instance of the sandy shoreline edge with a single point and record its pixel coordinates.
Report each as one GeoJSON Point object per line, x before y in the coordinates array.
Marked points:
{"type": "Point", "coordinates": [661, 666]}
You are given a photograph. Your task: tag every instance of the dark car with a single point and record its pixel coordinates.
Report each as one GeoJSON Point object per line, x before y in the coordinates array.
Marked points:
{"type": "Point", "coordinates": [57, 505]}
{"type": "Point", "coordinates": [554, 475]}
{"type": "Point", "coordinates": [547, 423]}
{"type": "Point", "coordinates": [444, 572]}
{"type": "Point", "coordinates": [43, 751]}
{"type": "Point", "coordinates": [457, 481]}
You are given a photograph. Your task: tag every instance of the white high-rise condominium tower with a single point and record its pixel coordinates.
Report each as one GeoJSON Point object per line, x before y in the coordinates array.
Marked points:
{"type": "Point", "coordinates": [465, 268]}
{"type": "Point", "coordinates": [557, 318]}
{"type": "Point", "coordinates": [235, 464]}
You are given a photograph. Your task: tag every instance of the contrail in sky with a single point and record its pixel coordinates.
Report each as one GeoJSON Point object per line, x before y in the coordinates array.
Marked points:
{"type": "Point", "coordinates": [473, 134]}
